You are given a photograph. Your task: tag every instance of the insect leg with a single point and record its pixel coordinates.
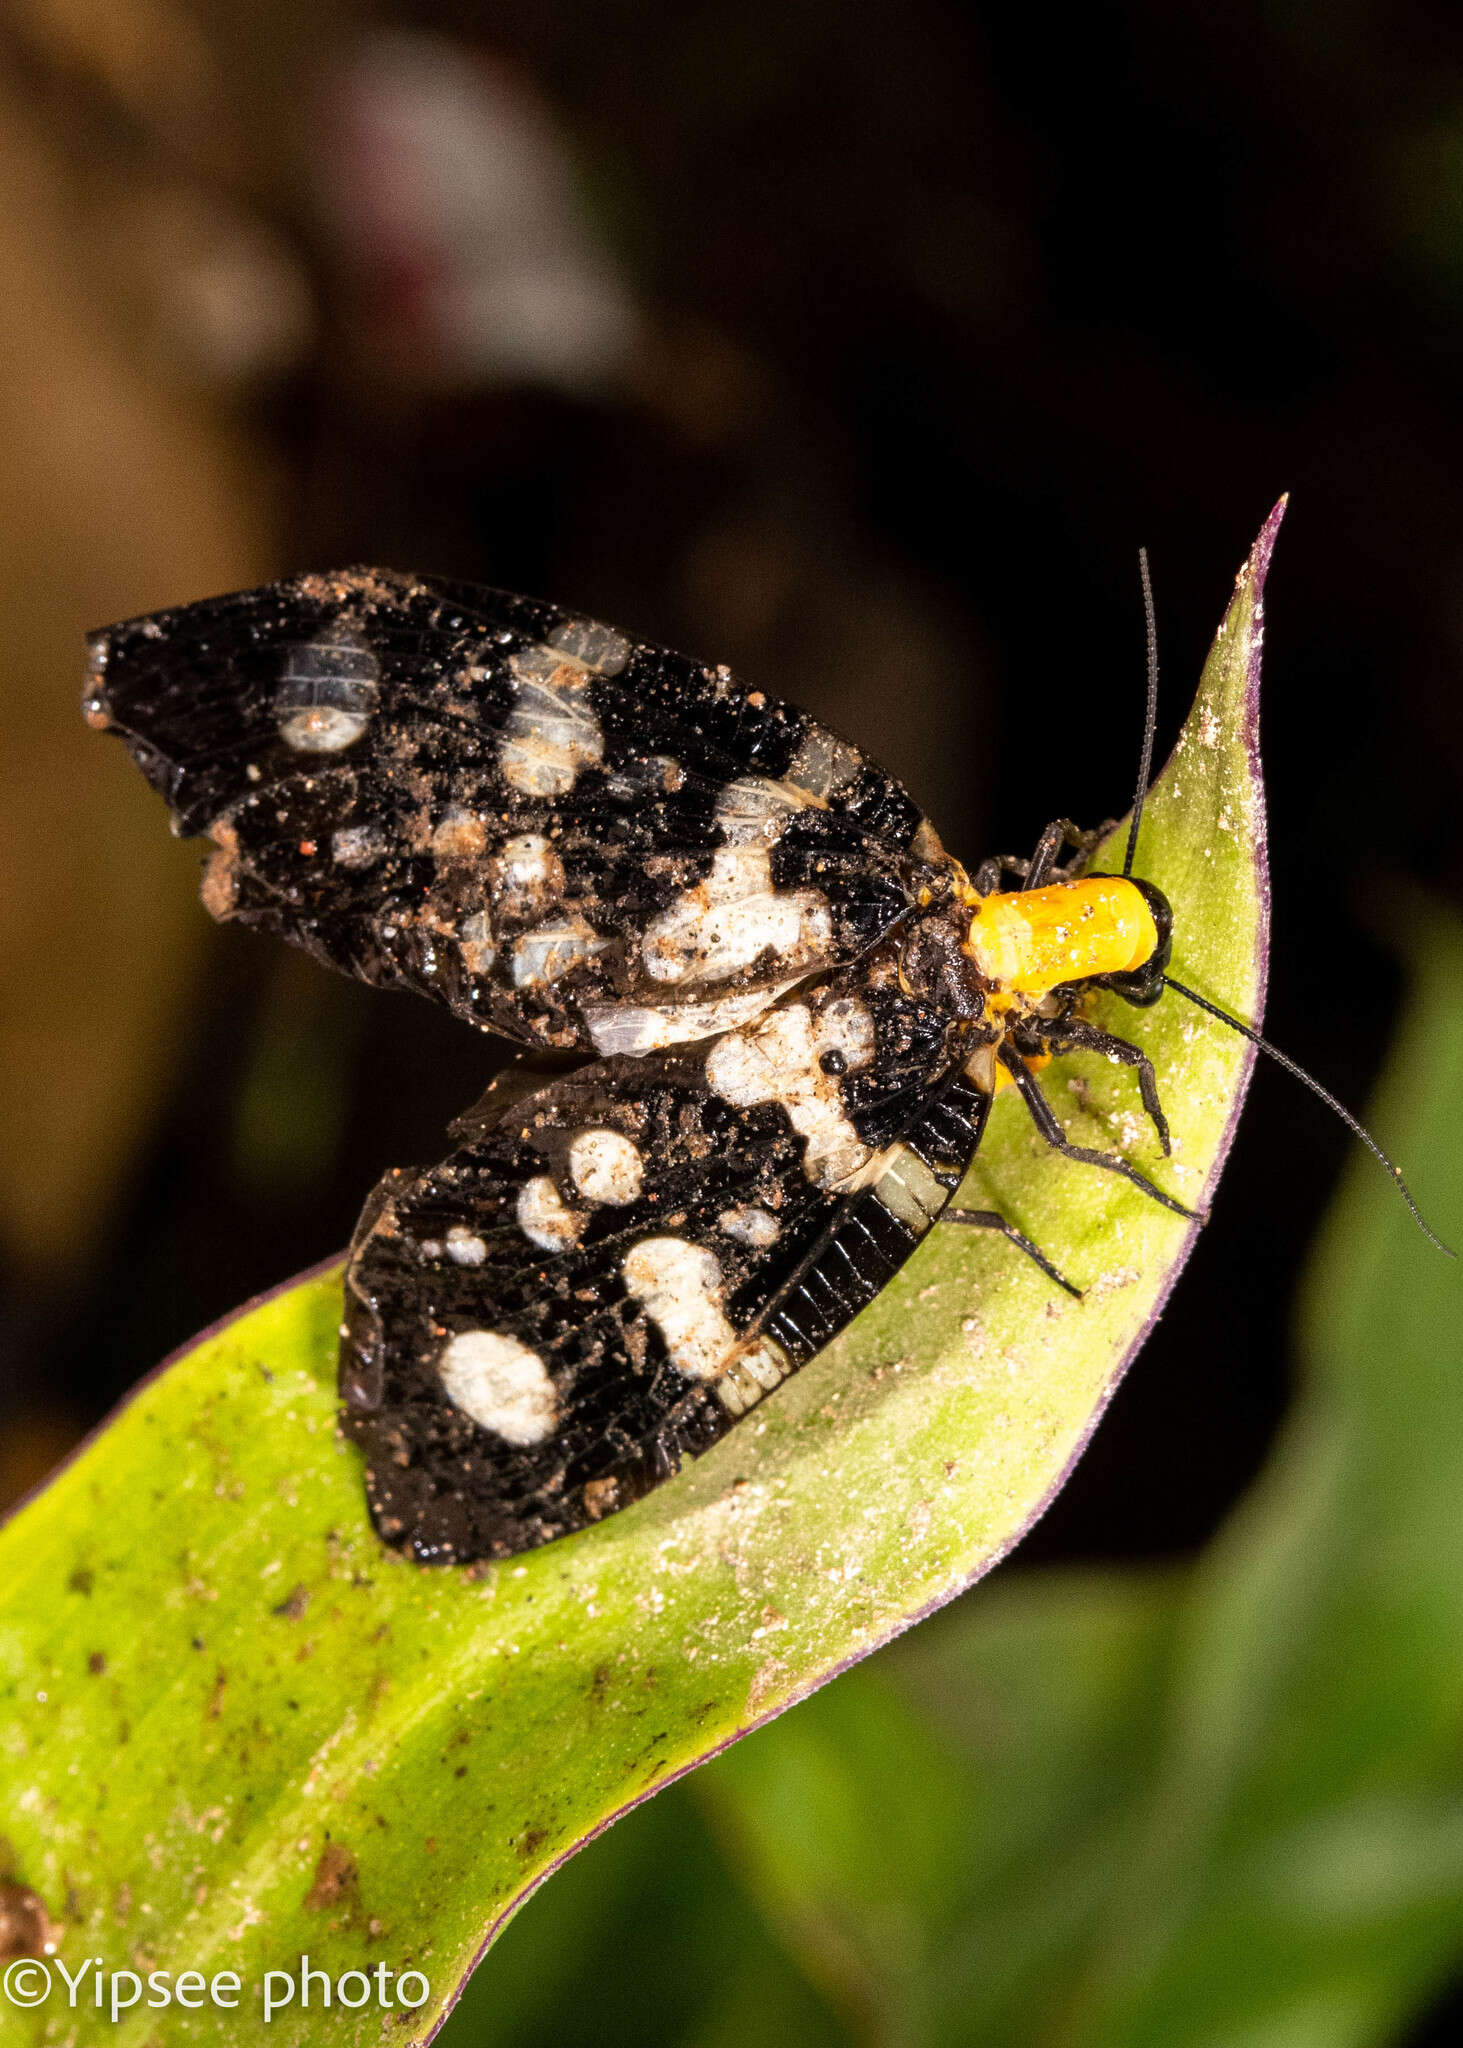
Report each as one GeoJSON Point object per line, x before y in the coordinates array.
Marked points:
{"type": "Point", "coordinates": [1075, 1035]}
{"type": "Point", "coordinates": [1031, 874]}
{"type": "Point", "coordinates": [987, 878]}
{"type": "Point", "coordinates": [1059, 833]}
{"type": "Point", "coordinates": [1045, 1119]}
{"type": "Point", "coordinates": [987, 1219]}
{"type": "Point", "coordinates": [1047, 848]}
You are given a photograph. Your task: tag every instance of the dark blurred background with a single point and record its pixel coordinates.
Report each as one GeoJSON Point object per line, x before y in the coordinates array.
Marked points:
{"type": "Point", "coordinates": [857, 348]}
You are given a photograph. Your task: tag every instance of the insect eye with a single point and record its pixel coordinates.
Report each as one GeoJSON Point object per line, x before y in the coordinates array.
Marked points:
{"type": "Point", "coordinates": [834, 1062]}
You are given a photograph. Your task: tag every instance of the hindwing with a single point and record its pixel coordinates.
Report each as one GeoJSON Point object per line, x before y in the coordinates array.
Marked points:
{"type": "Point", "coordinates": [614, 1267]}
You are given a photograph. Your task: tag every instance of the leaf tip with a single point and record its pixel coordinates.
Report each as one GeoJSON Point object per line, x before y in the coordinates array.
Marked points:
{"type": "Point", "coordinates": [1257, 564]}
{"type": "Point", "coordinates": [1244, 622]}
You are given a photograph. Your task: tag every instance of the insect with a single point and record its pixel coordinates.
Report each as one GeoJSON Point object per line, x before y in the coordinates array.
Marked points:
{"type": "Point", "coordinates": [781, 1012]}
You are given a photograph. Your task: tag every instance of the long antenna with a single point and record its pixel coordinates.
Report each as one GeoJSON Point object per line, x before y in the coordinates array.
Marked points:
{"type": "Point", "coordinates": [1291, 1067]}
{"type": "Point", "coordinates": [1150, 722]}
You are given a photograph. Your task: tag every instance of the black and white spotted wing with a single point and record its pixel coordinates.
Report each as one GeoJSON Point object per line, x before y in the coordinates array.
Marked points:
{"type": "Point", "coordinates": [613, 1268]}
{"type": "Point", "coordinates": [745, 928]}
{"type": "Point", "coordinates": [569, 838]}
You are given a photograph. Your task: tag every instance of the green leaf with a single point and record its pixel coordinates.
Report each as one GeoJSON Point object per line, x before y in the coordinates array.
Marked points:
{"type": "Point", "coordinates": [238, 1729]}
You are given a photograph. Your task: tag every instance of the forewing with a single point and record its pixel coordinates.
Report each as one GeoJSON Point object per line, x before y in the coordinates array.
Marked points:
{"type": "Point", "coordinates": [572, 839]}
{"type": "Point", "coordinates": [615, 1267]}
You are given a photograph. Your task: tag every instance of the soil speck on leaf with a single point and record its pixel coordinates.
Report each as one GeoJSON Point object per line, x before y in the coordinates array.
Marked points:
{"type": "Point", "coordinates": [26, 1928]}
{"type": "Point", "coordinates": [335, 1878]}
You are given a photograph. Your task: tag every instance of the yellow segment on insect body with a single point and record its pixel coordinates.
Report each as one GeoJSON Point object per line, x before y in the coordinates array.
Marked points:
{"type": "Point", "coordinates": [984, 1071]}
{"type": "Point", "coordinates": [1031, 940]}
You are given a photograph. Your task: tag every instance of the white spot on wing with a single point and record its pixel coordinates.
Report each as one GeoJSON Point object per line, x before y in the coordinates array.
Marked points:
{"type": "Point", "coordinates": [724, 924]}
{"type": "Point", "coordinates": [845, 1026]}
{"type": "Point", "coordinates": [755, 1373]}
{"type": "Point", "coordinates": [551, 733]}
{"type": "Point", "coordinates": [823, 762]}
{"type": "Point", "coordinates": [908, 1188]}
{"type": "Point", "coordinates": [600, 648]}
{"type": "Point", "coordinates": [767, 1363]}
{"type": "Point", "coordinates": [526, 874]}
{"type": "Point", "coordinates": [327, 691]}
{"type": "Point", "coordinates": [322, 729]}
{"type": "Point", "coordinates": [545, 1218]}
{"type": "Point", "coordinates": [779, 1062]}
{"type": "Point", "coordinates": [750, 1225]}
{"type": "Point", "coordinates": [680, 1285]}
{"type": "Point", "coordinates": [606, 1167]}
{"type": "Point", "coordinates": [551, 949]}
{"type": "Point", "coordinates": [357, 846]}
{"type": "Point", "coordinates": [642, 1027]}
{"type": "Point", "coordinates": [753, 810]}
{"type": "Point", "coordinates": [459, 835]}
{"type": "Point", "coordinates": [475, 942]}
{"type": "Point", "coordinates": [501, 1384]}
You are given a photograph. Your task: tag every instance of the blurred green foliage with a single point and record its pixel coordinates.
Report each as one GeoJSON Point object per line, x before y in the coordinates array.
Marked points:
{"type": "Point", "coordinates": [1218, 1806]}
{"type": "Point", "coordinates": [290, 1110]}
